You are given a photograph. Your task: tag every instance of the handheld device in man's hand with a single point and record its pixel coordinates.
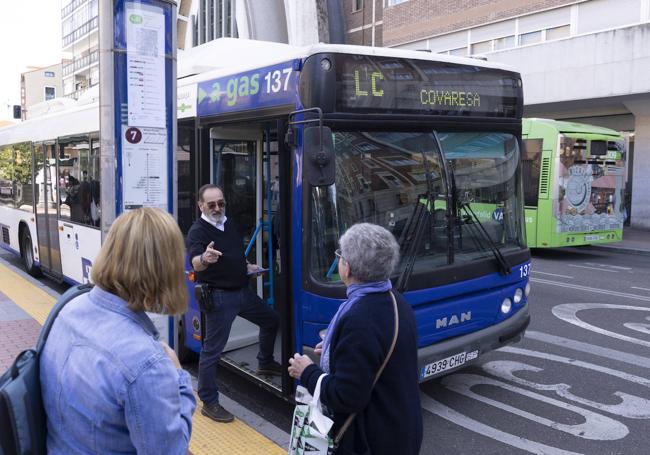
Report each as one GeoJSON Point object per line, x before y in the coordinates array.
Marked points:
{"type": "Point", "coordinates": [257, 272]}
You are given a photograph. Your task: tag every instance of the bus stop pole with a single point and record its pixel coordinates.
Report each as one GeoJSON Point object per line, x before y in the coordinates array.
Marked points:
{"type": "Point", "coordinates": [107, 115]}
{"type": "Point", "coordinates": [137, 49]}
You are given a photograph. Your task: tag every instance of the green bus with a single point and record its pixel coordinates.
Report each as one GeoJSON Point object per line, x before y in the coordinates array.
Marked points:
{"type": "Point", "coordinates": [573, 177]}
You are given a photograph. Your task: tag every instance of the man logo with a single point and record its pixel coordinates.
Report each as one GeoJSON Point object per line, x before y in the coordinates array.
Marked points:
{"type": "Point", "coordinates": [453, 320]}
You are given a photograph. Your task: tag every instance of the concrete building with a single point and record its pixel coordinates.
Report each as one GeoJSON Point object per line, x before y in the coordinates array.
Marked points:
{"type": "Point", "coordinates": [38, 85]}
{"type": "Point", "coordinates": [80, 39]}
{"type": "Point", "coordinates": [581, 60]}
{"type": "Point", "coordinates": [80, 35]}
{"type": "Point", "coordinates": [297, 22]}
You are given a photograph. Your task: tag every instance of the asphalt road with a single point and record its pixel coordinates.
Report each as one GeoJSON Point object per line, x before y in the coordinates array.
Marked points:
{"type": "Point", "coordinates": [578, 383]}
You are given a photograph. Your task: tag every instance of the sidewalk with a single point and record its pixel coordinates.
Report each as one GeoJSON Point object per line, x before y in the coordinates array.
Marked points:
{"type": "Point", "coordinates": [24, 306]}
{"type": "Point", "coordinates": [635, 241]}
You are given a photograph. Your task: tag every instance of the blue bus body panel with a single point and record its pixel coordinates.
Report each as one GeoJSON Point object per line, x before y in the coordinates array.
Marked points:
{"type": "Point", "coordinates": [270, 86]}
{"type": "Point", "coordinates": [443, 312]}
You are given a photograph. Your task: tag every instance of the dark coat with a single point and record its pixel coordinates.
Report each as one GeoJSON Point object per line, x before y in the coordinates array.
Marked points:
{"type": "Point", "coordinates": [389, 419]}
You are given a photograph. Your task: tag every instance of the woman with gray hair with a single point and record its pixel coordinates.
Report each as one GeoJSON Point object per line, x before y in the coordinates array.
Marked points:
{"type": "Point", "coordinates": [369, 354]}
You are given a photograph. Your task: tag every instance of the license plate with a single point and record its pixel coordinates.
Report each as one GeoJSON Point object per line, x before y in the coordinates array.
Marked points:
{"type": "Point", "coordinates": [592, 238]}
{"type": "Point", "coordinates": [451, 362]}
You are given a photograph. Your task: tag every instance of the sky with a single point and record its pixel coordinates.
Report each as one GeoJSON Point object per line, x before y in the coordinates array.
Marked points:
{"type": "Point", "coordinates": [30, 35]}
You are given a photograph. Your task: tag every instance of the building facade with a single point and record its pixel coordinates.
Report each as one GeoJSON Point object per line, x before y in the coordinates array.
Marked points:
{"type": "Point", "coordinates": [80, 40]}
{"type": "Point", "coordinates": [38, 85]}
{"type": "Point", "coordinates": [580, 60]}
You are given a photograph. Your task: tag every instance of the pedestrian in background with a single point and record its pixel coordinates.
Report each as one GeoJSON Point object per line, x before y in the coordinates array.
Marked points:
{"type": "Point", "coordinates": [358, 340]}
{"type": "Point", "coordinates": [109, 384]}
{"type": "Point", "coordinates": [216, 249]}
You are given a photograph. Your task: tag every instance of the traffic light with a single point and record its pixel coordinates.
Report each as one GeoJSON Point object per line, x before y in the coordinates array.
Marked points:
{"type": "Point", "coordinates": [17, 111]}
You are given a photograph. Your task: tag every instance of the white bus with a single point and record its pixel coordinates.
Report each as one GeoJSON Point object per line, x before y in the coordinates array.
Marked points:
{"type": "Point", "coordinates": [50, 209]}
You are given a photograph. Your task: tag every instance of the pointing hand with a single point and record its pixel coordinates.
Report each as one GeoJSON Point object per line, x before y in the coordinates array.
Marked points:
{"type": "Point", "coordinates": [211, 255]}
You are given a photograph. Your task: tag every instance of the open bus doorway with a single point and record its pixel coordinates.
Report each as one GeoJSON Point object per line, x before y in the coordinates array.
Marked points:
{"type": "Point", "coordinates": [244, 162]}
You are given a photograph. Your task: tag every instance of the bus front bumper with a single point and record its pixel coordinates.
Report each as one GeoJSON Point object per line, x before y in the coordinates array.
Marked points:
{"type": "Point", "coordinates": [446, 356]}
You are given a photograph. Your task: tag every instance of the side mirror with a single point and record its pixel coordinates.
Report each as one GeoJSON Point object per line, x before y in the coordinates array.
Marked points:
{"type": "Point", "coordinates": [319, 164]}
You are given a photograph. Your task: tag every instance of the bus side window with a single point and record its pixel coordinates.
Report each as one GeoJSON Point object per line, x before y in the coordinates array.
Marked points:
{"type": "Point", "coordinates": [530, 166]}
{"type": "Point", "coordinates": [6, 176]}
{"type": "Point", "coordinates": [79, 181]}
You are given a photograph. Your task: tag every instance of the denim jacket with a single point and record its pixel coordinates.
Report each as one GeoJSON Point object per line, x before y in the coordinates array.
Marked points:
{"type": "Point", "coordinates": [108, 386]}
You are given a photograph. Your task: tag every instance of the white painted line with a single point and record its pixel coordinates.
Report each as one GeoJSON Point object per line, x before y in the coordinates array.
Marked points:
{"type": "Point", "coordinates": [629, 406]}
{"type": "Point", "coordinates": [568, 312]}
{"type": "Point", "coordinates": [606, 353]}
{"type": "Point", "coordinates": [595, 290]}
{"type": "Point", "coordinates": [552, 274]}
{"type": "Point", "coordinates": [537, 448]}
{"type": "Point", "coordinates": [593, 268]}
{"type": "Point", "coordinates": [577, 363]}
{"type": "Point", "coordinates": [608, 266]}
{"type": "Point", "coordinates": [641, 289]}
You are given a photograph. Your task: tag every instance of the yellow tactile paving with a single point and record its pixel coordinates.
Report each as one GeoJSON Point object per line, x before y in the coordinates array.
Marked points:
{"type": "Point", "coordinates": [34, 301]}
{"type": "Point", "coordinates": [208, 437]}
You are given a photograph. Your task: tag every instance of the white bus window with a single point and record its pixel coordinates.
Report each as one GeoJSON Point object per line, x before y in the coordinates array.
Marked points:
{"type": "Point", "coordinates": [79, 173]}
{"type": "Point", "coordinates": [6, 176]}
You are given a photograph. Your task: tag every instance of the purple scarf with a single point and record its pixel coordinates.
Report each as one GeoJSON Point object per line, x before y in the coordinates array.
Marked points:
{"type": "Point", "coordinates": [354, 292]}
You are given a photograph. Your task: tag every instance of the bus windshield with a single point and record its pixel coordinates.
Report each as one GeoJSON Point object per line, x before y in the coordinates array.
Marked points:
{"type": "Point", "coordinates": [487, 191]}
{"type": "Point", "coordinates": [399, 180]}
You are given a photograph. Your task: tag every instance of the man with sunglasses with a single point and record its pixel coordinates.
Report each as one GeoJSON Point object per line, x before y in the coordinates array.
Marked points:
{"type": "Point", "coordinates": [216, 249]}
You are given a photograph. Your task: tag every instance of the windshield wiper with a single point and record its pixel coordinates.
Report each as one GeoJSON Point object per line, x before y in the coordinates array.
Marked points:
{"type": "Point", "coordinates": [411, 243]}
{"type": "Point", "coordinates": [504, 267]}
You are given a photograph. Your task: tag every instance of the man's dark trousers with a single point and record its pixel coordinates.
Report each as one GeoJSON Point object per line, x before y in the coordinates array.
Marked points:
{"type": "Point", "coordinates": [228, 304]}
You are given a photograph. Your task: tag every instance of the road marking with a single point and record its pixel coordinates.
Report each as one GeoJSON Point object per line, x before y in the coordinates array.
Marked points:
{"type": "Point", "coordinates": [447, 413]}
{"type": "Point", "coordinates": [568, 312]}
{"type": "Point", "coordinates": [592, 426]}
{"type": "Point", "coordinates": [609, 354]}
{"type": "Point", "coordinates": [630, 406]}
{"type": "Point", "coordinates": [589, 289]}
{"type": "Point", "coordinates": [641, 289]}
{"type": "Point", "coordinates": [578, 363]}
{"type": "Point", "coordinates": [609, 266]}
{"type": "Point", "coordinates": [593, 268]}
{"type": "Point", "coordinates": [552, 274]}
{"type": "Point", "coordinates": [643, 328]}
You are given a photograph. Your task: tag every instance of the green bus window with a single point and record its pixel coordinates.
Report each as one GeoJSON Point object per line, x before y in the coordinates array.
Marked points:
{"type": "Point", "coordinates": [530, 169]}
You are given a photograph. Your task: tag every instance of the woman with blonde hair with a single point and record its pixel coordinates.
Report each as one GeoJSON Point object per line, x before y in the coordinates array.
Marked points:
{"type": "Point", "coordinates": [110, 384]}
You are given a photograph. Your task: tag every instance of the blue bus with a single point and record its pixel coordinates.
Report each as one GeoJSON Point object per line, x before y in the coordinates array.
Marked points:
{"type": "Point", "coordinates": [307, 141]}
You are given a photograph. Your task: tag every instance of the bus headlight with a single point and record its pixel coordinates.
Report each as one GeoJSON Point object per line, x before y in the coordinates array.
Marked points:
{"type": "Point", "coordinates": [506, 305]}
{"type": "Point", "coordinates": [518, 295]}
{"type": "Point", "coordinates": [527, 289]}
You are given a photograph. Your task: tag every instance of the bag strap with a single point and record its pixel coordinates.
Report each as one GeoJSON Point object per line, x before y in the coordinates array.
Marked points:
{"type": "Point", "coordinates": [68, 295]}
{"type": "Point", "coordinates": [351, 417]}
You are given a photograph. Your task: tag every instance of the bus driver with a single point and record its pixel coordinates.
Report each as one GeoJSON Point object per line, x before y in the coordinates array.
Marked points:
{"type": "Point", "coordinates": [216, 249]}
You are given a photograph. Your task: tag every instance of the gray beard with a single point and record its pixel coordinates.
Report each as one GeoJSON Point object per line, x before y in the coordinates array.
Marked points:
{"type": "Point", "coordinates": [216, 219]}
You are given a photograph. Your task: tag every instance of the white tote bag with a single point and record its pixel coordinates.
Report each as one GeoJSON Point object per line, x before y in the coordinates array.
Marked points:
{"type": "Point", "coordinates": [310, 428]}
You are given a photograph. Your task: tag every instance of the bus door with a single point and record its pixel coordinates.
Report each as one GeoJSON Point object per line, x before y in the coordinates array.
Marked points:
{"type": "Point", "coordinates": [47, 204]}
{"type": "Point", "coordinates": [237, 165]}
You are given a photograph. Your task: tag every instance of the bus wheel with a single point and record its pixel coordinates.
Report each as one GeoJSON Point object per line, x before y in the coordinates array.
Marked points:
{"type": "Point", "coordinates": [27, 253]}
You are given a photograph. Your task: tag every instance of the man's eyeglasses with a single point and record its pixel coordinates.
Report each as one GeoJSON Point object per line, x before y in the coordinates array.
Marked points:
{"type": "Point", "coordinates": [337, 253]}
{"type": "Point", "coordinates": [213, 205]}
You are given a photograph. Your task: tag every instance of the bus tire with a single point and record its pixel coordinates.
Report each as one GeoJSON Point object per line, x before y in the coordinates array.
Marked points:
{"type": "Point", "coordinates": [27, 253]}
{"type": "Point", "coordinates": [184, 353]}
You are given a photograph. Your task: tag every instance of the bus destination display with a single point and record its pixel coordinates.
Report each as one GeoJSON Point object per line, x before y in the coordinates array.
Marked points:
{"type": "Point", "coordinates": [391, 85]}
